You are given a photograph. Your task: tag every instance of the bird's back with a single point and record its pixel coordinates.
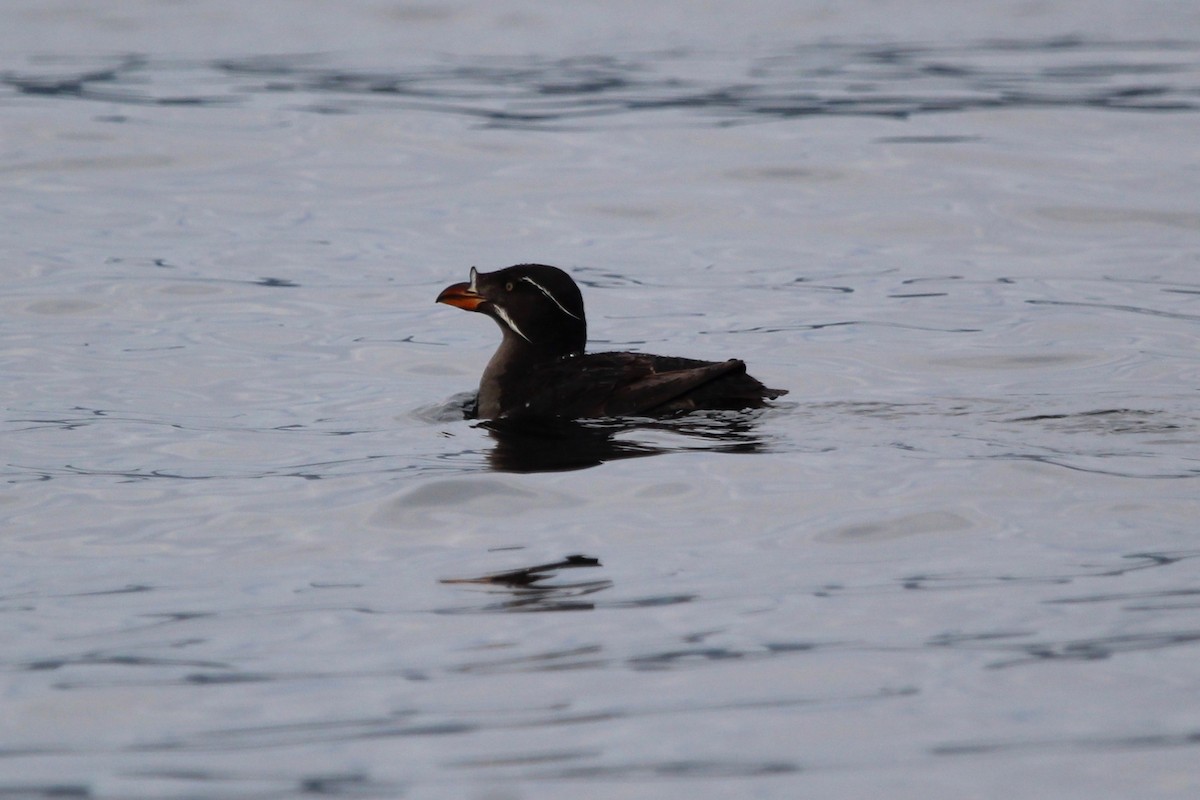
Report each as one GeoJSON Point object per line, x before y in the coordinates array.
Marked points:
{"type": "Point", "coordinates": [626, 384]}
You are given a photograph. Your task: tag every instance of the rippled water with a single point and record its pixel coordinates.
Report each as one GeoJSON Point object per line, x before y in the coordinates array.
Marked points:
{"type": "Point", "coordinates": [253, 550]}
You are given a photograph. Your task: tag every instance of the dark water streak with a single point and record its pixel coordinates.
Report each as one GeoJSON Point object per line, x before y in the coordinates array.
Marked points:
{"type": "Point", "coordinates": [886, 80]}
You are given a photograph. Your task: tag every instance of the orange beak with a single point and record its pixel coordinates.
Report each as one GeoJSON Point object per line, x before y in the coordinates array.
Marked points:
{"type": "Point", "coordinates": [460, 295]}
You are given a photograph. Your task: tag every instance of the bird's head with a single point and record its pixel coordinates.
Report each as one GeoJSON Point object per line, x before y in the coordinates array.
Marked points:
{"type": "Point", "coordinates": [535, 303]}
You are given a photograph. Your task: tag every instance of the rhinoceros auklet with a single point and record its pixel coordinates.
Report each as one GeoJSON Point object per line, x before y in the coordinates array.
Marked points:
{"type": "Point", "coordinates": [540, 369]}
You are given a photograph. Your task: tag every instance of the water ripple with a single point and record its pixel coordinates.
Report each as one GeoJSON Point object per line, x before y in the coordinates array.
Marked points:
{"type": "Point", "coordinates": [887, 80]}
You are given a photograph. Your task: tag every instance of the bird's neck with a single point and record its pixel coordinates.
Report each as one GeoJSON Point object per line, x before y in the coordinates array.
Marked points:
{"type": "Point", "coordinates": [513, 358]}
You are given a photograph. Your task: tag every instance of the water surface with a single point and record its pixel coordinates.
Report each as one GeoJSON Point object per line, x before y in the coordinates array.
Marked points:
{"type": "Point", "coordinates": [252, 548]}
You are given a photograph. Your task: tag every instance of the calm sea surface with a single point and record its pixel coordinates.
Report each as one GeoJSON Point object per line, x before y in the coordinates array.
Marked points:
{"type": "Point", "coordinates": [251, 549]}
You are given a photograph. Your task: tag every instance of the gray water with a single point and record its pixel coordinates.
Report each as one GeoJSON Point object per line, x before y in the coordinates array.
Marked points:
{"type": "Point", "coordinates": [251, 549]}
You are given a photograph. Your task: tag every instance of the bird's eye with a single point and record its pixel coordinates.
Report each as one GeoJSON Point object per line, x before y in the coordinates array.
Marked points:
{"type": "Point", "coordinates": [508, 286]}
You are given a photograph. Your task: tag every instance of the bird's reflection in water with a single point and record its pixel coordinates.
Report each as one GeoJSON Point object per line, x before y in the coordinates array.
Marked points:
{"type": "Point", "coordinates": [550, 445]}
{"type": "Point", "coordinates": [527, 590]}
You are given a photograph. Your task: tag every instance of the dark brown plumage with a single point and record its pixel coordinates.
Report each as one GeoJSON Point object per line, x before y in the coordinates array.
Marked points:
{"type": "Point", "coordinates": [541, 370]}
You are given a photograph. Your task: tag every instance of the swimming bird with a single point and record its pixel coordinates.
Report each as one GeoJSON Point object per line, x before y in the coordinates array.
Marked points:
{"type": "Point", "coordinates": [541, 370]}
